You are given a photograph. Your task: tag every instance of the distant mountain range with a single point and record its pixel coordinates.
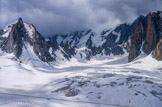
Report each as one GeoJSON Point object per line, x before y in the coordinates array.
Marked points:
{"type": "Point", "coordinates": [143, 36]}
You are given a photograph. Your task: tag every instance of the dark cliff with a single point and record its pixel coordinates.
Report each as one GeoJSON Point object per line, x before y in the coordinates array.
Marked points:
{"type": "Point", "coordinates": [146, 35]}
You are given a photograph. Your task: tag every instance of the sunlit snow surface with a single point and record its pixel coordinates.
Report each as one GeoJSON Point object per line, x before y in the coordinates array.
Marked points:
{"type": "Point", "coordinates": [110, 81]}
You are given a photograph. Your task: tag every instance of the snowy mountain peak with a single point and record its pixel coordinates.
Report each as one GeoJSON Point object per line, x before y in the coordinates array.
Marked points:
{"type": "Point", "coordinates": [25, 42]}
{"type": "Point", "coordinates": [13, 42]}
{"type": "Point", "coordinates": [20, 20]}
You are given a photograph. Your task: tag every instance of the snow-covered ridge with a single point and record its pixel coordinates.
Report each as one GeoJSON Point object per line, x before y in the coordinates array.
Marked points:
{"type": "Point", "coordinates": [83, 45]}
{"type": "Point", "coordinates": [30, 29]}
{"type": "Point", "coordinates": [7, 29]}
{"type": "Point", "coordinates": [89, 44]}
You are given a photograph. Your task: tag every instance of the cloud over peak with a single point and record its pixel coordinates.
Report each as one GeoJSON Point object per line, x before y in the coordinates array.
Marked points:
{"type": "Point", "coordinates": [65, 16]}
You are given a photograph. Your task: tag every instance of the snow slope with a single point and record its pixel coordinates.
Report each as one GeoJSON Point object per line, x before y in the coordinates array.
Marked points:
{"type": "Point", "coordinates": [112, 81]}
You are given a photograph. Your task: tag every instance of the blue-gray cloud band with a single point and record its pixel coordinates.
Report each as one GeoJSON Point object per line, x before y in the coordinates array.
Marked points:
{"type": "Point", "coordinates": [64, 16]}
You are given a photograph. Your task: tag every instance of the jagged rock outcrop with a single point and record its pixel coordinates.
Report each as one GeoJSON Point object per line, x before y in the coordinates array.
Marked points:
{"type": "Point", "coordinates": [69, 51]}
{"type": "Point", "coordinates": [40, 47]}
{"type": "Point", "coordinates": [18, 38]}
{"type": "Point", "coordinates": [157, 53]}
{"type": "Point", "coordinates": [153, 32]}
{"type": "Point", "coordinates": [137, 37]}
{"type": "Point", "coordinates": [14, 42]}
{"type": "Point", "coordinates": [117, 50]}
{"type": "Point", "coordinates": [146, 35]}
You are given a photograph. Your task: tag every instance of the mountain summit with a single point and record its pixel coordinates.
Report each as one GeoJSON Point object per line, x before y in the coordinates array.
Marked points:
{"type": "Point", "coordinates": [24, 41]}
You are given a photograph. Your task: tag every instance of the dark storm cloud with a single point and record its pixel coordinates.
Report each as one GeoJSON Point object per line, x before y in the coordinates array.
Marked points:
{"type": "Point", "coordinates": [127, 9]}
{"type": "Point", "coordinates": [64, 16]}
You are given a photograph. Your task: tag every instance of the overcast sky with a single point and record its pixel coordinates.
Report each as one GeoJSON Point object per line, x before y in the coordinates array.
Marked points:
{"type": "Point", "coordinates": [65, 16]}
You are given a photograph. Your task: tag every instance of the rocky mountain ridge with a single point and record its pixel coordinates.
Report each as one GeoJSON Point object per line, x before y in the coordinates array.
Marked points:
{"type": "Point", "coordinates": [146, 35]}
{"type": "Point", "coordinates": [142, 36]}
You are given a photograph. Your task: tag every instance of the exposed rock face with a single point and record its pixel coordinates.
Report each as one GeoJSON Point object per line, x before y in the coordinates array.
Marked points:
{"type": "Point", "coordinates": [117, 50]}
{"type": "Point", "coordinates": [112, 44]}
{"type": "Point", "coordinates": [153, 32]}
{"type": "Point", "coordinates": [157, 53]}
{"type": "Point", "coordinates": [14, 41]}
{"type": "Point", "coordinates": [146, 35]}
{"type": "Point", "coordinates": [71, 92]}
{"type": "Point", "coordinates": [137, 38]}
{"type": "Point", "coordinates": [69, 51]}
{"type": "Point", "coordinates": [40, 47]}
{"type": "Point", "coordinates": [1, 32]}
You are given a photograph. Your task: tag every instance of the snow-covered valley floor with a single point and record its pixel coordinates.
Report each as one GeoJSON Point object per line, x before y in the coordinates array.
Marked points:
{"type": "Point", "coordinates": [106, 83]}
